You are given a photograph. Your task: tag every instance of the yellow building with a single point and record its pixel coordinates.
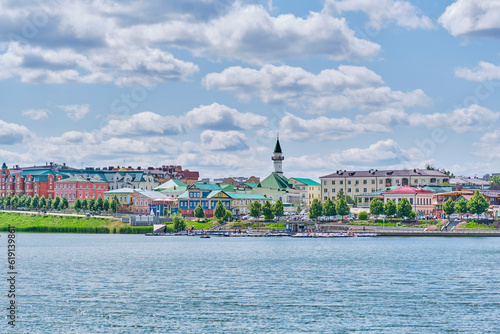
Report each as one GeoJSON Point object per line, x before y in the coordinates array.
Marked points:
{"type": "Point", "coordinates": [309, 189]}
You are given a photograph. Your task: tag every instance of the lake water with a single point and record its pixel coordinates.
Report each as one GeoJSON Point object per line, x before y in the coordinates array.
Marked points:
{"type": "Point", "coordinates": [72, 283]}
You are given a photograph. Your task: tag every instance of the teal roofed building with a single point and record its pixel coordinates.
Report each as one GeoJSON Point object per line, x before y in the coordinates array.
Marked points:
{"type": "Point", "coordinates": [172, 188]}
{"type": "Point", "coordinates": [309, 189]}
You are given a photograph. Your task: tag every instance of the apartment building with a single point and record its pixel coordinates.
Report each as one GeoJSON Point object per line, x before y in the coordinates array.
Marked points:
{"type": "Point", "coordinates": [353, 183]}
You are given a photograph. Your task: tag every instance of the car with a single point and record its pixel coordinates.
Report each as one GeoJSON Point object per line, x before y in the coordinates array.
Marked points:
{"type": "Point", "coordinates": [382, 216]}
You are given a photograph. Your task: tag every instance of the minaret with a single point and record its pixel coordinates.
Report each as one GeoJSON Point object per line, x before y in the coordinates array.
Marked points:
{"type": "Point", "coordinates": [278, 157]}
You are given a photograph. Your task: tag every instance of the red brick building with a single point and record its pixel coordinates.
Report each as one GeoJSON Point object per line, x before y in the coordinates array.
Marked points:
{"type": "Point", "coordinates": [81, 187]}
{"type": "Point", "coordinates": [28, 182]}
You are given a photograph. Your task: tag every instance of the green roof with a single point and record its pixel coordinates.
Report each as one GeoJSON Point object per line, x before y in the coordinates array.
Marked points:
{"type": "Point", "coordinates": [277, 148]}
{"type": "Point", "coordinates": [4, 166]}
{"type": "Point", "coordinates": [205, 186]}
{"type": "Point", "coordinates": [227, 187]}
{"type": "Point", "coordinates": [275, 181]}
{"type": "Point", "coordinates": [307, 182]}
{"type": "Point", "coordinates": [172, 185]}
{"type": "Point", "coordinates": [251, 185]}
{"type": "Point", "coordinates": [377, 193]}
{"type": "Point", "coordinates": [247, 196]}
{"type": "Point", "coordinates": [81, 178]}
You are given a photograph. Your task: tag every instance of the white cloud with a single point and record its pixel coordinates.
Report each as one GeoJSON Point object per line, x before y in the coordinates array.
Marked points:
{"type": "Point", "coordinates": [382, 153]}
{"type": "Point", "coordinates": [489, 146]}
{"type": "Point", "coordinates": [381, 12]}
{"type": "Point", "coordinates": [346, 88]}
{"type": "Point", "coordinates": [221, 117]}
{"type": "Point", "coordinates": [483, 72]}
{"type": "Point", "coordinates": [36, 114]}
{"type": "Point", "coordinates": [223, 140]}
{"type": "Point", "coordinates": [229, 36]}
{"type": "Point", "coordinates": [11, 133]}
{"type": "Point", "coordinates": [75, 112]}
{"type": "Point", "coordinates": [143, 124]}
{"type": "Point", "coordinates": [292, 127]}
{"type": "Point", "coordinates": [124, 67]}
{"type": "Point", "coordinates": [472, 18]}
{"type": "Point", "coordinates": [471, 118]}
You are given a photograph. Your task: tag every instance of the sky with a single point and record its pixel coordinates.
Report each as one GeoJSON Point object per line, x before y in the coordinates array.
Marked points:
{"type": "Point", "coordinates": [208, 84]}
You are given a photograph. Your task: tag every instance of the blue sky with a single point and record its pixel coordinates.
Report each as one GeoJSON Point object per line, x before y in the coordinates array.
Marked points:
{"type": "Point", "coordinates": [348, 84]}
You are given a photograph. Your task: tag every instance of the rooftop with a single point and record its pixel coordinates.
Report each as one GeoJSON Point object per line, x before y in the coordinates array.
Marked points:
{"type": "Point", "coordinates": [385, 173]}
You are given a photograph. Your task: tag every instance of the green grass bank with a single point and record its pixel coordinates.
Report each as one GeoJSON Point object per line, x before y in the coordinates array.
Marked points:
{"type": "Point", "coordinates": [67, 224]}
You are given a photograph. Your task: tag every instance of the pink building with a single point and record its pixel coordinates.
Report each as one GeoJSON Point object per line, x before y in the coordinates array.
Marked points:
{"type": "Point", "coordinates": [81, 187]}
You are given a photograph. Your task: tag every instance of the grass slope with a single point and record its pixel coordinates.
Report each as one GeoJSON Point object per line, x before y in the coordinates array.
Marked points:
{"type": "Point", "coordinates": [67, 224]}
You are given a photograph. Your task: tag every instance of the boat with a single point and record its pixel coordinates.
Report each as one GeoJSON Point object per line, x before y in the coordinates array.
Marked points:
{"type": "Point", "coordinates": [205, 236]}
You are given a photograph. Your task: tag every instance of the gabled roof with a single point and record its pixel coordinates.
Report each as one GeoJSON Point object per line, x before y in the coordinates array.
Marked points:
{"type": "Point", "coordinates": [151, 194]}
{"type": "Point", "coordinates": [204, 186]}
{"type": "Point", "coordinates": [227, 187]}
{"type": "Point", "coordinates": [275, 181]}
{"type": "Point", "coordinates": [307, 182]}
{"type": "Point", "coordinates": [386, 173]}
{"type": "Point", "coordinates": [120, 191]}
{"type": "Point", "coordinates": [171, 183]}
{"type": "Point", "coordinates": [81, 178]}
{"type": "Point", "coordinates": [4, 166]}
{"type": "Point", "coordinates": [251, 185]}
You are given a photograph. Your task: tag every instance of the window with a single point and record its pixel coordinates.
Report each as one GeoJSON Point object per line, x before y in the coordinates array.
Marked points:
{"type": "Point", "coordinates": [373, 181]}
{"type": "Point", "coordinates": [365, 182]}
{"type": "Point", "coordinates": [324, 182]}
{"type": "Point", "coordinates": [325, 198]}
{"type": "Point", "coordinates": [397, 181]}
{"type": "Point", "coordinates": [341, 181]}
{"type": "Point", "coordinates": [348, 190]}
{"type": "Point", "coordinates": [333, 182]}
{"type": "Point", "coordinates": [349, 182]}
{"type": "Point", "coordinates": [333, 190]}
{"type": "Point", "coordinates": [325, 190]}
{"type": "Point", "coordinates": [411, 201]}
{"type": "Point", "coordinates": [357, 190]}
{"type": "Point", "coordinates": [380, 181]}
{"type": "Point", "coordinates": [415, 181]}
{"type": "Point", "coordinates": [373, 190]}
{"type": "Point", "coordinates": [364, 190]}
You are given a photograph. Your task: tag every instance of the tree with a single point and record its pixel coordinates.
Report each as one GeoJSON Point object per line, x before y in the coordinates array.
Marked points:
{"type": "Point", "coordinates": [105, 205]}
{"type": "Point", "coordinates": [376, 207]}
{"type": "Point", "coordinates": [64, 203]}
{"type": "Point", "coordinates": [35, 202]}
{"type": "Point", "coordinates": [85, 204]}
{"type": "Point", "coordinates": [179, 222]}
{"type": "Point", "coordinates": [199, 212]}
{"type": "Point", "coordinates": [413, 215]}
{"type": "Point", "coordinates": [267, 211]}
{"type": "Point", "coordinates": [461, 206]}
{"type": "Point", "coordinates": [404, 208]}
{"type": "Point", "coordinates": [27, 202]}
{"type": "Point", "coordinates": [220, 211]}
{"type": "Point", "coordinates": [340, 194]}
{"type": "Point", "coordinates": [114, 205]}
{"type": "Point", "coordinates": [351, 201]}
{"type": "Point", "coordinates": [22, 200]}
{"type": "Point", "coordinates": [449, 206]}
{"type": "Point", "coordinates": [477, 204]}
{"type": "Point", "coordinates": [329, 208]}
{"type": "Point", "coordinates": [43, 202]}
{"type": "Point", "coordinates": [15, 201]}
{"type": "Point", "coordinates": [342, 207]}
{"type": "Point", "coordinates": [390, 208]}
{"type": "Point", "coordinates": [99, 204]}
{"type": "Point", "coordinates": [316, 209]}
{"type": "Point", "coordinates": [228, 216]}
{"type": "Point", "coordinates": [55, 203]}
{"type": "Point", "coordinates": [363, 215]}
{"type": "Point", "coordinates": [92, 204]}
{"type": "Point", "coordinates": [428, 166]}
{"type": "Point", "coordinates": [49, 203]}
{"type": "Point", "coordinates": [255, 209]}
{"type": "Point", "coordinates": [278, 208]}
{"type": "Point", "coordinates": [77, 205]}
{"type": "Point", "coordinates": [495, 180]}
{"type": "Point", "coordinates": [8, 200]}
{"type": "Point", "coordinates": [445, 184]}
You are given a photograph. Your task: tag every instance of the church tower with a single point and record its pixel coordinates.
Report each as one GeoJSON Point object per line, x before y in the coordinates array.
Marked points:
{"type": "Point", "coordinates": [278, 157]}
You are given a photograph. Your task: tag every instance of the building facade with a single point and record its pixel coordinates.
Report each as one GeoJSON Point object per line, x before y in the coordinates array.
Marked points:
{"type": "Point", "coordinates": [309, 189]}
{"type": "Point", "coordinates": [353, 183]}
{"type": "Point", "coordinates": [420, 199]}
{"type": "Point", "coordinates": [80, 187]}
